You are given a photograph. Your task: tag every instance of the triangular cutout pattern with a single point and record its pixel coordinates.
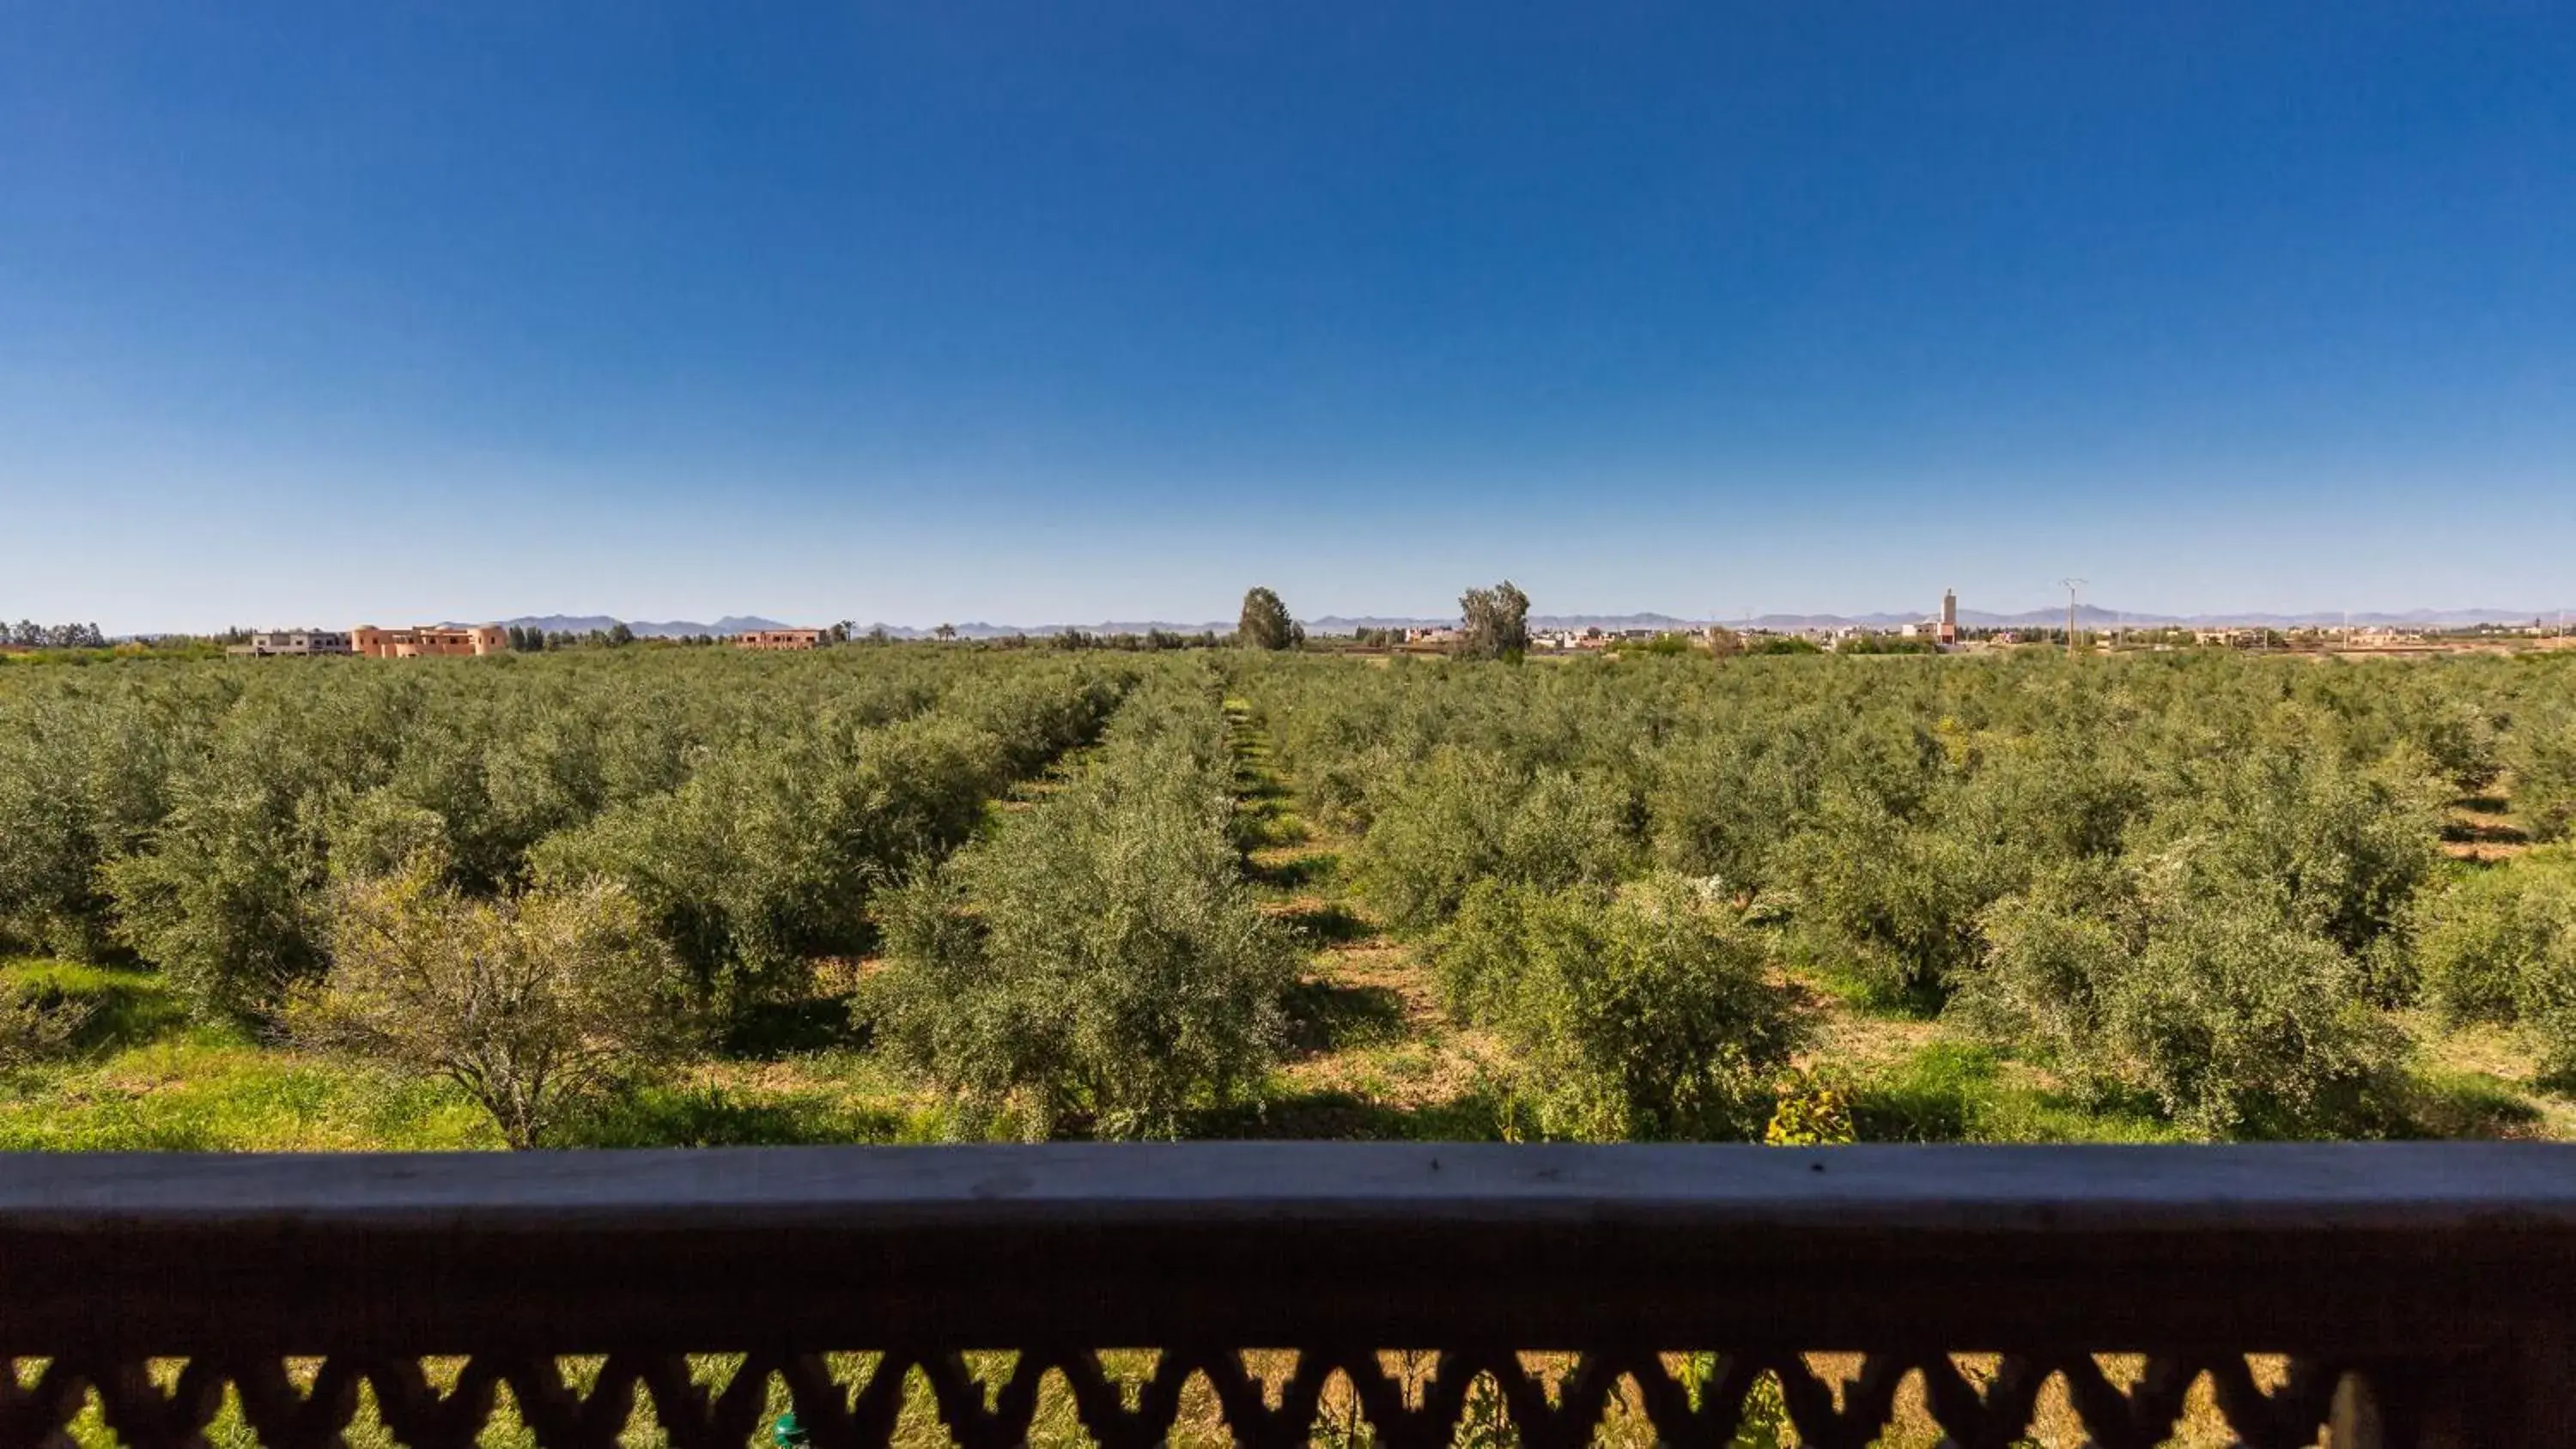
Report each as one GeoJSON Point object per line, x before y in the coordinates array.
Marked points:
{"type": "Point", "coordinates": [1548, 1411]}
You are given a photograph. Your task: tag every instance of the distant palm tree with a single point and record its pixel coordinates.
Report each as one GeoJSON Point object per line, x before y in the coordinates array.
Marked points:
{"type": "Point", "coordinates": [946, 632]}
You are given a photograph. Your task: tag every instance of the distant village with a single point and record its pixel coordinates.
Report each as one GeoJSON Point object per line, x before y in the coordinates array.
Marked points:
{"type": "Point", "coordinates": [435, 641]}
{"type": "Point", "coordinates": [1936, 632]}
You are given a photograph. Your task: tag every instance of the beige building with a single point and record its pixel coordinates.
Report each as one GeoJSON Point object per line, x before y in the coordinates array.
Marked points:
{"type": "Point", "coordinates": [428, 641]}
{"type": "Point", "coordinates": [778, 639]}
{"type": "Point", "coordinates": [283, 643]}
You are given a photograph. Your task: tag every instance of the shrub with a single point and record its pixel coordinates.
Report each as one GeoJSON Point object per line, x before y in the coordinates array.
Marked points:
{"type": "Point", "coordinates": [2460, 737]}
{"type": "Point", "coordinates": [33, 1031]}
{"type": "Point", "coordinates": [81, 779]}
{"type": "Point", "coordinates": [2499, 945]}
{"type": "Point", "coordinates": [1892, 902]}
{"type": "Point", "coordinates": [1885, 644]}
{"type": "Point", "coordinates": [1666, 645]}
{"type": "Point", "coordinates": [767, 856]}
{"type": "Point", "coordinates": [2330, 846]}
{"type": "Point", "coordinates": [1811, 1113]}
{"type": "Point", "coordinates": [2543, 757]}
{"type": "Point", "coordinates": [1724, 803]}
{"type": "Point", "coordinates": [1465, 816]}
{"type": "Point", "coordinates": [537, 1005]}
{"type": "Point", "coordinates": [2233, 1020]}
{"type": "Point", "coordinates": [196, 817]}
{"type": "Point", "coordinates": [1645, 1015]}
{"type": "Point", "coordinates": [228, 901]}
{"type": "Point", "coordinates": [2481, 937]}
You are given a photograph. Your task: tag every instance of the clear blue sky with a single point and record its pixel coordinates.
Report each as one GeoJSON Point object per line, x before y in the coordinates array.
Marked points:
{"type": "Point", "coordinates": [1065, 311]}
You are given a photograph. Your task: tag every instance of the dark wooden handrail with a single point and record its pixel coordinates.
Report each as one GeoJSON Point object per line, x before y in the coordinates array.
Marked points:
{"type": "Point", "coordinates": [2448, 1270]}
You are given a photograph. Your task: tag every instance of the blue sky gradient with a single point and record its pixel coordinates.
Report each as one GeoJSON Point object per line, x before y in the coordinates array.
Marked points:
{"type": "Point", "coordinates": [1049, 312]}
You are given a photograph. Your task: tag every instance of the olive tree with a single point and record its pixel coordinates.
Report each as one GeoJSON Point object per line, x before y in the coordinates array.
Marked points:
{"type": "Point", "coordinates": [1265, 623]}
{"type": "Point", "coordinates": [2543, 756]}
{"type": "Point", "coordinates": [82, 778]}
{"type": "Point", "coordinates": [1641, 1015]}
{"type": "Point", "coordinates": [766, 857]}
{"type": "Point", "coordinates": [2499, 944]}
{"type": "Point", "coordinates": [536, 1005]}
{"type": "Point", "coordinates": [1462, 816]}
{"type": "Point", "coordinates": [2232, 1019]}
{"type": "Point", "coordinates": [1890, 901]}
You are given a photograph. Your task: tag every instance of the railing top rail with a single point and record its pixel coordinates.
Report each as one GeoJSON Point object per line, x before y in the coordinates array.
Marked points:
{"type": "Point", "coordinates": [2329, 1249]}
{"type": "Point", "coordinates": [1984, 1189]}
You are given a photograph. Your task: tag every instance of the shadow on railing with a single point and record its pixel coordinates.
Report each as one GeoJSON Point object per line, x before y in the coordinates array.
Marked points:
{"type": "Point", "coordinates": [1406, 1296]}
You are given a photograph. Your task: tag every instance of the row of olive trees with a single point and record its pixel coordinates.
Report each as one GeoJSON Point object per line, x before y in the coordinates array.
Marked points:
{"type": "Point", "coordinates": [1097, 963]}
{"type": "Point", "coordinates": [2190, 883]}
{"type": "Point", "coordinates": [198, 818]}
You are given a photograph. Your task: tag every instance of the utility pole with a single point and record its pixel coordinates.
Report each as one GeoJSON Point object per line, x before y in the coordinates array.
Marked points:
{"type": "Point", "coordinates": [2071, 585]}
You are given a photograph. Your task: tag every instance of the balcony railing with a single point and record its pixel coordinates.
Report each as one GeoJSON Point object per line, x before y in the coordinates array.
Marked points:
{"type": "Point", "coordinates": [2419, 1294]}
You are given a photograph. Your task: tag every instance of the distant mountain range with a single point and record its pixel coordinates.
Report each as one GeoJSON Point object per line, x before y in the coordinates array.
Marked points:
{"type": "Point", "coordinates": [644, 628]}
{"type": "Point", "coordinates": [2091, 616]}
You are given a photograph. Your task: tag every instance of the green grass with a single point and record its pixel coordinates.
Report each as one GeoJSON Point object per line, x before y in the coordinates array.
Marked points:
{"type": "Point", "coordinates": [1359, 1113]}
{"type": "Point", "coordinates": [2442, 1101]}
{"type": "Point", "coordinates": [821, 1099]}
{"type": "Point", "coordinates": [222, 1097]}
{"type": "Point", "coordinates": [119, 1008]}
{"type": "Point", "coordinates": [143, 1077]}
{"type": "Point", "coordinates": [1950, 1091]}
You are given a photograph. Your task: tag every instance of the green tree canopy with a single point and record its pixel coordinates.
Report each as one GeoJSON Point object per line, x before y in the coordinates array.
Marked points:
{"type": "Point", "coordinates": [1646, 1015]}
{"type": "Point", "coordinates": [1265, 623]}
{"type": "Point", "coordinates": [1496, 622]}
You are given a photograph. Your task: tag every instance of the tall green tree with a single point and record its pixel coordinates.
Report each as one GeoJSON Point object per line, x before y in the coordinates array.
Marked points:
{"type": "Point", "coordinates": [1265, 623]}
{"type": "Point", "coordinates": [1496, 622]}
